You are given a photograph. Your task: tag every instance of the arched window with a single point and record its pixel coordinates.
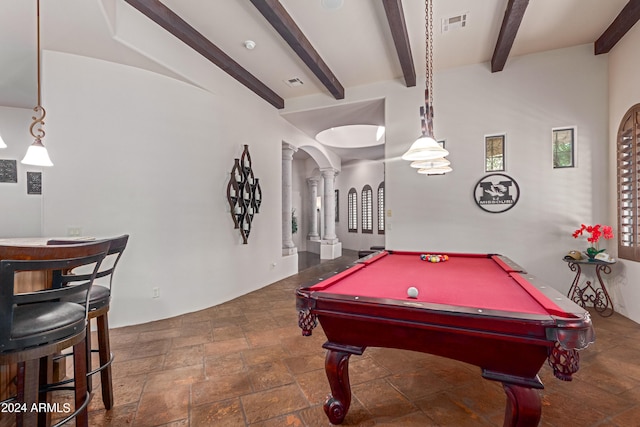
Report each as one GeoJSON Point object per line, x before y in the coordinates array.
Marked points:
{"type": "Point", "coordinates": [352, 213]}
{"type": "Point", "coordinates": [367, 209]}
{"type": "Point", "coordinates": [381, 208]}
{"type": "Point", "coordinates": [628, 193]}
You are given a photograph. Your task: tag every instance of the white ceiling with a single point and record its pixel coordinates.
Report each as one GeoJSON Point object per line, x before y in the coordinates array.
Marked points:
{"type": "Point", "coordinates": [354, 40]}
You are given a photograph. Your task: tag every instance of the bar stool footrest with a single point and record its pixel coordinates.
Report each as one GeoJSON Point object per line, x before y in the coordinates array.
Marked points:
{"type": "Point", "coordinates": [71, 416]}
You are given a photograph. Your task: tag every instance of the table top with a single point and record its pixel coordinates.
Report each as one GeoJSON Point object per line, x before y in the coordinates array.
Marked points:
{"type": "Point", "coordinates": [479, 282]}
{"type": "Point", "coordinates": [591, 261]}
{"type": "Point", "coordinates": [39, 241]}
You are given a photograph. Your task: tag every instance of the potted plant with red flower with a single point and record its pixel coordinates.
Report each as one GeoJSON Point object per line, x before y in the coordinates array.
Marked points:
{"type": "Point", "coordinates": [595, 233]}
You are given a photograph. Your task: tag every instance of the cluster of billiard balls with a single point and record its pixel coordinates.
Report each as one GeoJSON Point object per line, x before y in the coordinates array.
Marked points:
{"type": "Point", "coordinates": [412, 292]}
{"type": "Point", "coordinates": [434, 258]}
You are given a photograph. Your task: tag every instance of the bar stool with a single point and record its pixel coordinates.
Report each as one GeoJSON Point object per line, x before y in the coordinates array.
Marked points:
{"type": "Point", "coordinates": [36, 325]}
{"type": "Point", "coordinates": [99, 303]}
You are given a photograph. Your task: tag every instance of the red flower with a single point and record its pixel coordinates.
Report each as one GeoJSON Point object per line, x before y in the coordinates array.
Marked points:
{"type": "Point", "coordinates": [596, 231]}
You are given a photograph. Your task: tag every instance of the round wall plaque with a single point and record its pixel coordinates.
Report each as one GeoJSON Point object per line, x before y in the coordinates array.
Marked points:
{"type": "Point", "coordinates": [496, 193]}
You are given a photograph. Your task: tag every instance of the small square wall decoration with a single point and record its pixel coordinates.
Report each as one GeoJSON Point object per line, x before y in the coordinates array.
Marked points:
{"type": "Point", "coordinates": [34, 182]}
{"type": "Point", "coordinates": [8, 171]}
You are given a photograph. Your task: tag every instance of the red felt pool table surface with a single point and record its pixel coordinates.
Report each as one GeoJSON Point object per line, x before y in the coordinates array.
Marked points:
{"type": "Point", "coordinates": [467, 280]}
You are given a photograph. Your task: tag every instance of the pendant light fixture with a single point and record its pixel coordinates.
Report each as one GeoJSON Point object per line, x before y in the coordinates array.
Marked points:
{"type": "Point", "coordinates": [435, 171]}
{"type": "Point", "coordinates": [37, 153]}
{"type": "Point", "coordinates": [435, 163]}
{"type": "Point", "coordinates": [426, 148]}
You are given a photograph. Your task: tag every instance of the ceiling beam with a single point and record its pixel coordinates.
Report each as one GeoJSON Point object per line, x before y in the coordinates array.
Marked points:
{"type": "Point", "coordinates": [282, 22]}
{"type": "Point", "coordinates": [398, 27]}
{"type": "Point", "coordinates": [167, 19]}
{"type": "Point", "coordinates": [626, 19]}
{"type": "Point", "coordinates": [510, 25]}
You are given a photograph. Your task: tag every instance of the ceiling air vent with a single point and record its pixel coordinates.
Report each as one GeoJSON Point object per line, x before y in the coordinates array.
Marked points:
{"type": "Point", "coordinates": [294, 82]}
{"type": "Point", "coordinates": [454, 22]}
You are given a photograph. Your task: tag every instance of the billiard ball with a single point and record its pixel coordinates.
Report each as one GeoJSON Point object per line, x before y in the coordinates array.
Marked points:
{"type": "Point", "coordinates": [412, 292]}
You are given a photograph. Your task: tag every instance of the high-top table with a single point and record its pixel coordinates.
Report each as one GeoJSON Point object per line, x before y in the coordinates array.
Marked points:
{"type": "Point", "coordinates": [591, 293]}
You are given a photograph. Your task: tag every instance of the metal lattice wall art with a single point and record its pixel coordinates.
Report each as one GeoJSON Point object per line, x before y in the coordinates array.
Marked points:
{"type": "Point", "coordinates": [244, 194]}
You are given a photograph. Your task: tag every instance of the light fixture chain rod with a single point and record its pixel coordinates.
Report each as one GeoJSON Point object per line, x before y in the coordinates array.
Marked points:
{"type": "Point", "coordinates": [39, 122]}
{"type": "Point", "coordinates": [38, 51]}
{"type": "Point", "coordinates": [429, 51]}
{"type": "Point", "coordinates": [428, 67]}
{"type": "Point", "coordinates": [431, 66]}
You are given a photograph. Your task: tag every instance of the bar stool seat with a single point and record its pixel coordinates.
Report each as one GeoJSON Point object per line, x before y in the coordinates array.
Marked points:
{"type": "Point", "coordinates": [40, 318]}
{"type": "Point", "coordinates": [98, 293]}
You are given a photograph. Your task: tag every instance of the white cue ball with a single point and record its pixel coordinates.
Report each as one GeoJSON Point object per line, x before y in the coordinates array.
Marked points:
{"type": "Point", "coordinates": [412, 292]}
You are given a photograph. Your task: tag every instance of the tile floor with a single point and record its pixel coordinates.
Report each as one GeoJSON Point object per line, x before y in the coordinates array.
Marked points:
{"type": "Point", "coordinates": [244, 363]}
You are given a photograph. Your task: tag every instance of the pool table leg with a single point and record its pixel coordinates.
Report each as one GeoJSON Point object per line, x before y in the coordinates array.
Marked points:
{"type": "Point", "coordinates": [337, 369]}
{"type": "Point", "coordinates": [524, 407]}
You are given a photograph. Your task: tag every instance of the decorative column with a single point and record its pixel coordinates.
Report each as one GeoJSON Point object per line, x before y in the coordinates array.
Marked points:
{"type": "Point", "coordinates": [288, 248]}
{"type": "Point", "coordinates": [329, 176]}
{"type": "Point", "coordinates": [313, 212]}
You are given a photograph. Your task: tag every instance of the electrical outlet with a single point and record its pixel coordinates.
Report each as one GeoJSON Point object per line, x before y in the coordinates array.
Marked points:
{"type": "Point", "coordinates": [156, 293]}
{"type": "Point", "coordinates": [74, 231]}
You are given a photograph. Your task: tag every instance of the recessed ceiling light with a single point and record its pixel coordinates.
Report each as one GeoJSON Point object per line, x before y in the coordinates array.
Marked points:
{"type": "Point", "coordinates": [350, 136]}
{"type": "Point", "coordinates": [332, 4]}
{"type": "Point", "coordinates": [249, 44]}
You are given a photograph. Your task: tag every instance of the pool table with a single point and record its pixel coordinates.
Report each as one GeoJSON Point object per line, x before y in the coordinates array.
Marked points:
{"type": "Point", "coordinates": [481, 309]}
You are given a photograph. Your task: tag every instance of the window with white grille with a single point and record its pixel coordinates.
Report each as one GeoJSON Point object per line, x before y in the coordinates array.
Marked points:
{"type": "Point", "coordinates": [367, 209]}
{"type": "Point", "coordinates": [352, 211]}
{"type": "Point", "coordinates": [381, 208]}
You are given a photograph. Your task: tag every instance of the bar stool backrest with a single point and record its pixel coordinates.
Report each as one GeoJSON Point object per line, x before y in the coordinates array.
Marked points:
{"type": "Point", "coordinates": [107, 268]}
{"type": "Point", "coordinates": [46, 306]}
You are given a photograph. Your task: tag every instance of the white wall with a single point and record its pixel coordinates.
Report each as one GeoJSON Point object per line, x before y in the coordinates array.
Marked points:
{"type": "Point", "coordinates": [21, 213]}
{"type": "Point", "coordinates": [357, 174]}
{"type": "Point", "coordinates": [624, 92]}
{"type": "Point", "coordinates": [533, 94]}
{"type": "Point", "coordinates": [140, 153]}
